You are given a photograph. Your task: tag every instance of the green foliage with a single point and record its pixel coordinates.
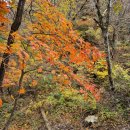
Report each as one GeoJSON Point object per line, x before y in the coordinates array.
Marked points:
{"type": "Point", "coordinates": [121, 77]}
{"type": "Point", "coordinates": [114, 113]}
{"type": "Point", "coordinates": [95, 33]}
{"type": "Point", "coordinates": [67, 98]}
{"type": "Point", "coordinates": [68, 7]}
{"type": "Point", "coordinates": [106, 114]}
{"type": "Point", "coordinates": [118, 7]}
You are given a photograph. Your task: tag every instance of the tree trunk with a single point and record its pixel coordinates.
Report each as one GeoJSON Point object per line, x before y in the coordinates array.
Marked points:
{"type": "Point", "coordinates": [11, 115]}
{"type": "Point", "coordinates": [108, 58]}
{"type": "Point", "coordinates": [15, 26]}
{"type": "Point", "coordinates": [7, 124]}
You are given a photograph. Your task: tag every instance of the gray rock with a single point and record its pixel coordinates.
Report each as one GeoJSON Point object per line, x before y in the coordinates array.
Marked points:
{"type": "Point", "coordinates": [91, 118]}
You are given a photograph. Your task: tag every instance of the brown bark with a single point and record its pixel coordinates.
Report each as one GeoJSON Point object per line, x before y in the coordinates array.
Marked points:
{"type": "Point", "coordinates": [15, 26]}
{"type": "Point", "coordinates": [11, 115]}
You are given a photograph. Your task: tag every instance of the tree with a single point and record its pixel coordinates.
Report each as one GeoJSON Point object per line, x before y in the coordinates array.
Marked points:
{"type": "Point", "coordinates": [6, 55]}
{"type": "Point", "coordinates": [104, 22]}
{"type": "Point", "coordinates": [72, 8]}
{"type": "Point", "coordinates": [14, 28]}
{"type": "Point", "coordinates": [50, 44]}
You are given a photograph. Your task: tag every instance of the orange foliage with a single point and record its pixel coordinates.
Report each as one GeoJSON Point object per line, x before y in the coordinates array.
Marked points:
{"type": "Point", "coordinates": [22, 91]}
{"type": "Point", "coordinates": [1, 102]}
{"type": "Point", "coordinates": [3, 11]}
{"type": "Point", "coordinates": [55, 41]}
{"type": "Point", "coordinates": [52, 40]}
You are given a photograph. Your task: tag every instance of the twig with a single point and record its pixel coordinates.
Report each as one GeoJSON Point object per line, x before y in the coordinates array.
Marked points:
{"type": "Point", "coordinates": [81, 8]}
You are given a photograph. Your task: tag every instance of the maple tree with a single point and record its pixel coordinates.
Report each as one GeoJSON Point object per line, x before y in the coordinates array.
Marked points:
{"type": "Point", "coordinates": [46, 65]}
{"type": "Point", "coordinates": [55, 43]}
{"type": "Point", "coordinates": [46, 42]}
{"type": "Point", "coordinates": [62, 46]}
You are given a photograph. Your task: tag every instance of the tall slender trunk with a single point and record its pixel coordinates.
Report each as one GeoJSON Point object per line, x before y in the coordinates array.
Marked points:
{"type": "Point", "coordinates": [15, 26]}
{"type": "Point", "coordinates": [8, 122]}
{"type": "Point", "coordinates": [108, 58]}
{"type": "Point", "coordinates": [11, 115]}
{"type": "Point", "coordinates": [103, 23]}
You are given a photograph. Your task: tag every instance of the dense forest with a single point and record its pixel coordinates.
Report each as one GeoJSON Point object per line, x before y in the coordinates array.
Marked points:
{"type": "Point", "coordinates": [64, 64]}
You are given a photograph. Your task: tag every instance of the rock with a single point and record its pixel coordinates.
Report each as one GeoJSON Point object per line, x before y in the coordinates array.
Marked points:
{"type": "Point", "coordinates": [91, 119]}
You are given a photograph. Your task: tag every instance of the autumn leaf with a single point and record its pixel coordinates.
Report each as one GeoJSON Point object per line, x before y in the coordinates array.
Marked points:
{"type": "Point", "coordinates": [22, 91]}
{"type": "Point", "coordinates": [34, 83]}
{"type": "Point", "coordinates": [81, 91]}
{"type": "Point", "coordinates": [39, 70]}
{"type": "Point", "coordinates": [1, 102]}
{"type": "Point", "coordinates": [97, 96]}
{"type": "Point", "coordinates": [3, 11]}
{"type": "Point", "coordinates": [38, 56]}
{"type": "Point", "coordinates": [22, 65]}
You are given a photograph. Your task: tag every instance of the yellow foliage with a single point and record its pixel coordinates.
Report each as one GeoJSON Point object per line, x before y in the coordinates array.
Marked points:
{"type": "Point", "coordinates": [101, 69]}
{"type": "Point", "coordinates": [102, 74]}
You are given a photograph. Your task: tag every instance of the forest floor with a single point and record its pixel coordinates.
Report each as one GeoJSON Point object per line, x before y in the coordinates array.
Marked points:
{"type": "Point", "coordinates": [113, 111]}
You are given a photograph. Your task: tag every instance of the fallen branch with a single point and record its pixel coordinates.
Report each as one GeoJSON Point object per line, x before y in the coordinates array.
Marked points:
{"type": "Point", "coordinates": [47, 124]}
{"type": "Point", "coordinates": [43, 115]}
